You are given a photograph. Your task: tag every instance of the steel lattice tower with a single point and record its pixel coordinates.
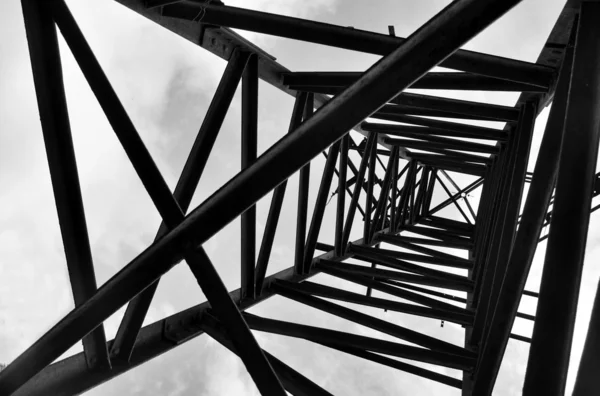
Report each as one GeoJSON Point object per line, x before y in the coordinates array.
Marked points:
{"type": "Point", "coordinates": [416, 148]}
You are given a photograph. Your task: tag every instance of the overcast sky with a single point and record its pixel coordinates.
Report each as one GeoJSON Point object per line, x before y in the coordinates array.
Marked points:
{"type": "Point", "coordinates": [166, 85]}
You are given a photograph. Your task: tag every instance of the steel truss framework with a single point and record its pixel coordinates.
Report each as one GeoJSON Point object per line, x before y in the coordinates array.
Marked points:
{"type": "Point", "coordinates": [417, 150]}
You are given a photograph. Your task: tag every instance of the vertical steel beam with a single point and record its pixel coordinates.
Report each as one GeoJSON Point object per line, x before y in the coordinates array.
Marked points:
{"type": "Point", "coordinates": [406, 191]}
{"type": "Point", "coordinates": [249, 153]}
{"type": "Point", "coordinates": [339, 219]}
{"type": "Point", "coordinates": [429, 195]}
{"type": "Point", "coordinates": [303, 187]}
{"type": "Point", "coordinates": [319, 210]}
{"type": "Point", "coordinates": [503, 236]}
{"type": "Point", "coordinates": [266, 245]}
{"type": "Point", "coordinates": [370, 185]}
{"type": "Point", "coordinates": [360, 178]}
{"type": "Point", "coordinates": [555, 316]}
{"type": "Point", "coordinates": [394, 193]}
{"type": "Point", "coordinates": [588, 381]}
{"type": "Point", "coordinates": [421, 191]}
{"type": "Point", "coordinates": [379, 219]}
{"type": "Point", "coordinates": [413, 192]}
{"type": "Point", "coordinates": [52, 105]}
{"type": "Point", "coordinates": [534, 213]}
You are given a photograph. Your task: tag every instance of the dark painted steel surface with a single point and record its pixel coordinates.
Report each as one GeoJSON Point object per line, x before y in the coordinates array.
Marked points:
{"type": "Point", "coordinates": [555, 316]}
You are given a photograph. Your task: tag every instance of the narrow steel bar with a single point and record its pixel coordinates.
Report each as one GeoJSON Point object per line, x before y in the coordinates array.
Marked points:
{"type": "Point", "coordinates": [413, 190]}
{"type": "Point", "coordinates": [520, 338]}
{"type": "Point", "coordinates": [391, 255]}
{"type": "Point", "coordinates": [54, 117]}
{"type": "Point", "coordinates": [454, 226]}
{"type": "Point", "coordinates": [303, 187]}
{"type": "Point", "coordinates": [450, 128]}
{"type": "Point", "coordinates": [341, 203]}
{"type": "Point", "coordinates": [394, 194]}
{"type": "Point", "coordinates": [324, 247]}
{"type": "Point", "coordinates": [459, 22]}
{"type": "Point", "coordinates": [249, 154]}
{"type": "Point", "coordinates": [405, 194]}
{"type": "Point", "coordinates": [525, 316]}
{"type": "Point", "coordinates": [474, 162]}
{"type": "Point", "coordinates": [429, 130]}
{"type": "Point", "coordinates": [429, 135]}
{"type": "Point", "coordinates": [316, 289]}
{"type": "Point", "coordinates": [403, 242]}
{"type": "Point", "coordinates": [457, 108]}
{"type": "Point", "coordinates": [422, 190]}
{"type": "Point", "coordinates": [553, 329]}
{"type": "Point", "coordinates": [379, 218]}
{"type": "Point", "coordinates": [319, 210]}
{"type": "Point", "coordinates": [430, 189]}
{"type": "Point", "coordinates": [534, 213]}
{"type": "Point", "coordinates": [441, 235]}
{"type": "Point", "coordinates": [359, 40]}
{"type": "Point", "coordinates": [587, 381]}
{"type": "Point", "coordinates": [376, 273]}
{"type": "Point", "coordinates": [450, 163]}
{"type": "Point", "coordinates": [428, 291]}
{"type": "Point", "coordinates": [451, 144]}
{"type": "Point", "coordinates": [434, 242]}
{"type": "Point", "coordinates": [370, 185]}
{"type": "Point", "coordinates": [264, 253]}
{"type": "Point", "coordinates": [320, 335]}
{"type": "Point", "coordinates": [431, 80]}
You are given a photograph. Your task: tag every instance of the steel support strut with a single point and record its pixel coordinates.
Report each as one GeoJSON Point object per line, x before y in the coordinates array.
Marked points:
{"type": "Point", "coordinates": [249, 153]}
{"type": "Point", "coordinates": [264, 253]}
{"type": "Point", "coordinates": [534, 213]}
{"type": "Point", "coordinates": [52, 105]}
{"type": "Point", "coordinates": [555, 316]}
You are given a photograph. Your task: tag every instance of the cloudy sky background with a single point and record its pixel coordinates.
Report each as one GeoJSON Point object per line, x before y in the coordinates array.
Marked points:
{"type": "Point", "coordinates": [166, 85]}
